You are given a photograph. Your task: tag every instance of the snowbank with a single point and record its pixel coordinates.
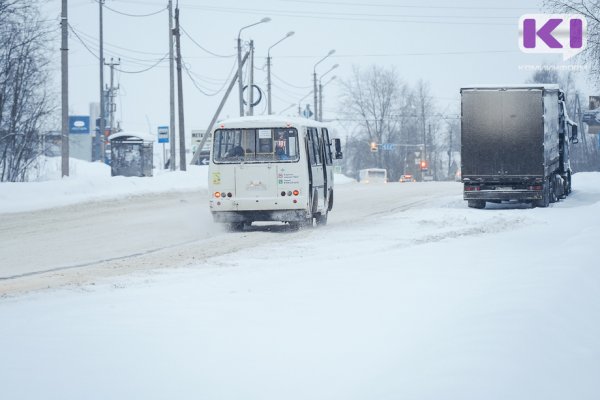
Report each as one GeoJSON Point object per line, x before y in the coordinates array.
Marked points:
{"type": "Point", "coordinates": [91, 182]}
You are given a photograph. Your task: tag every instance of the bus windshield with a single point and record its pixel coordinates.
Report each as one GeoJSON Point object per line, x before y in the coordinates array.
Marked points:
{"type": "Point", "coordinates": [255, 145]}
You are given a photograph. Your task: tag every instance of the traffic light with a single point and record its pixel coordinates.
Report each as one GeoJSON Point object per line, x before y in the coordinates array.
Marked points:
{"type": "Point", "coordinates": [373, 147]}
{"type": "Point", "coordinates": [423, 165]}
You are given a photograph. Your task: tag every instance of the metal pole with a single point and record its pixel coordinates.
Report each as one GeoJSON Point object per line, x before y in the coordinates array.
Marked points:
{"type": "Point", "coordinates": [102, 126]}
{"type": "Point", "coordinates": [320, 101]}
{"type": "Point", "coordinates": [172, 155]}
{"type": "Point", "coordinates": [315, 94]}
{"type": "Point", "coordinates": [251, 83]}
{"type": "Point", "coordinates": [111, 96]}
{"type": "Point", "coordinates": [182, 163]}
{"type": "Point", "coordinates": [214, 119]}
{"type": "Point", "coordinates": [270, 111]}
{"type": "Point", "coordinates": [239, 75]}
{"type": "Point", "coordinates": [64, 64]}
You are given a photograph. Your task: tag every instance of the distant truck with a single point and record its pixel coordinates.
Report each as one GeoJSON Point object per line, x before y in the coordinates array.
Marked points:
{"type": "Point", "coordinates": [372, 175]}
{"type": "Point", "coordinates": [515, 144]}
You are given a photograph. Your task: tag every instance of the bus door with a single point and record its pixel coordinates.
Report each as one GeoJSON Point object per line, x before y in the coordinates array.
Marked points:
{"type": "Point", "coordinates": [316, 167]}
{"type": "Point", "coordinates": [327, 164]}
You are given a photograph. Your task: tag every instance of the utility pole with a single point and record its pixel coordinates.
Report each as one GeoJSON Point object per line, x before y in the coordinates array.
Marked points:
{"type": "Point", "coordinates": [239, 75]}
{"type": "Point", "coordinates": [269, 109]}
{"type": "Point", "coordinates": [251, 84]}
{"type": "Point", "coordinates": [315, 93]}
{"type": "Point", "coordinates": [64, 64]}
{"type": "Point", "coordinates": [111, 95]}
{"type": "Point", "coordinates": [102, 126]}
{"type": "Point", "coordinates": [182, 163]}
{"type": "Point", "coordinates": [171, 92]}
{"type": "Point", "coordinates": [320, 101]}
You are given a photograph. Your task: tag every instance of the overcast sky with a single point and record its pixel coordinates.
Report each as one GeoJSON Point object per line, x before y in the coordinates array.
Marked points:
{"type": "Point", "coordinates": [449, 44]}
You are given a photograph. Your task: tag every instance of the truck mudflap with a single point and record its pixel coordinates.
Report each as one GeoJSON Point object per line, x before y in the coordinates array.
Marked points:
{"type": "Point", "coordinates": [503, 195]}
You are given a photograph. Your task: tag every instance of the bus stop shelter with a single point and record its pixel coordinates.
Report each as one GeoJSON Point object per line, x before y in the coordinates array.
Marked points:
{"type": "Point", "coordinates": [131, 154]}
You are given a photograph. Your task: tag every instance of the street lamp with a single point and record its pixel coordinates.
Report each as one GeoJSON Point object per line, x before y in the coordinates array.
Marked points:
{"type": "Point", "coordinates": [315, 81]}
{"type": "Point", "coordinates": [320, 114]}
{"type": "Point", "coordinates": [239, 57]}
{"type": "Point", "coordinates": [321, 96]}
{"type": "Point", "coordinates": [291, 33]}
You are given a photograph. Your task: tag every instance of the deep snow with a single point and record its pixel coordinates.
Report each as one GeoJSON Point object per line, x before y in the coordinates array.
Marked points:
{"type": "Point", "coordinates": [438, 301]}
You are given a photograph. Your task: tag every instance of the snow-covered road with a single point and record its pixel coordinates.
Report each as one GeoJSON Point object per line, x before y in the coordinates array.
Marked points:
{"type": "Point", "coordinates": [160, 229]}
{"type": "Point", "coordinates": [407, 294]}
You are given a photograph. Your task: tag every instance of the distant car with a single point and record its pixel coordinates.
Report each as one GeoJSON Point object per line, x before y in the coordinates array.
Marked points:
{"type": "Point", "coordinates": [407, 178]}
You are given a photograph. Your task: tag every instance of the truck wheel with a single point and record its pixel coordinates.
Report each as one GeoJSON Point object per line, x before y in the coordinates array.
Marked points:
{"type": "Point", "coordinates": [545, 201]}
{"type": "Point", "coordinates": [552, 190]}
{"type": "Point", "coordinates": [476, 204]}
{"type": "Point", "coordinates": [321, 219]}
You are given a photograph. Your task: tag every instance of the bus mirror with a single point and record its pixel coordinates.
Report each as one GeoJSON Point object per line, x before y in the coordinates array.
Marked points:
{"type": "Point", "coordinates": [338, 149]}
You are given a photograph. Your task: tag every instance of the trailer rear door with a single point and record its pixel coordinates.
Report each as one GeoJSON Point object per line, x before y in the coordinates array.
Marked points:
{"type": "Point", "coordinates": [502, 133]}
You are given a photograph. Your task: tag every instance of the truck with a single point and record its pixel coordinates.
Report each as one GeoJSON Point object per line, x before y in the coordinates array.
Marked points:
{"type": "Point", "coordinates": [515, 144]}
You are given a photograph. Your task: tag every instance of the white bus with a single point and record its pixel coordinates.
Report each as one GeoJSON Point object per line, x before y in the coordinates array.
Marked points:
{"type": "Point", "coordinates": [266, 168]}
{"type": "Point", "coordinates": [372, 175]}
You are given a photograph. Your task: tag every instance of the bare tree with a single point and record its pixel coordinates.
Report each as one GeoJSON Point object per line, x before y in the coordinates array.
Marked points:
{"type": "Point", "coordinates": [374, 101]}
{"type": "Point", "coordinates": [24, 103]}
{"type": "Point", "coordinates": [591, 10]}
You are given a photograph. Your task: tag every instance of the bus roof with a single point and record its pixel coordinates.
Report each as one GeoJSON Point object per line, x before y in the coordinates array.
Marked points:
{"type": "Point", "coordinates": [267, 121]}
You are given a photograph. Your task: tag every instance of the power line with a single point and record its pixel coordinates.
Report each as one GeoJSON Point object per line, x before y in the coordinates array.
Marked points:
{"type": "Point", "coordinates": [200, 46]}
{"type": "Point", "coordinates": [146, 69]}
{"type": "Point", "coordinates": [200, 89]}
{"type": "Point", "coordinates": [133, 15]}
{"type": "Point", "coordinates": [289, 84]}
{"type": "Point", "coordinates": [117, 69]}
{"type": "Point", "coordinates": [405, 5]}
{"type": "Point", "coordinates": [352, 16]}
{"type": "Point", "coordinates": [92, 38]}
{"type": "Point", "coordinates": [437, 53]}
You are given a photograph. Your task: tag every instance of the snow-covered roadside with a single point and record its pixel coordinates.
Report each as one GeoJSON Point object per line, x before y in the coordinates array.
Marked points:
{"type": "Point", "coordinates": [93, 182]}
{"type": "Point", "coordinates": [438, 302]}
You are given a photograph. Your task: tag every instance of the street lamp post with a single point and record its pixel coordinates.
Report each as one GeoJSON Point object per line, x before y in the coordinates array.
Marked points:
{"type": "Point", "coordinates": [239, 57]}
{"type": "Point", "coordinates": [320, 114]}
{"type": "Point", "coordinates": [321, 96]}
{"type": "Point", "coordinates": [315, 82]}
{"type": "Point", "coordinates": [291, 33]}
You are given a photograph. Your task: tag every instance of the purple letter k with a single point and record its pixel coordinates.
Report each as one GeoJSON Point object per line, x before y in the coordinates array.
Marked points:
{"type": "Point", "coordinates": [545, 33]}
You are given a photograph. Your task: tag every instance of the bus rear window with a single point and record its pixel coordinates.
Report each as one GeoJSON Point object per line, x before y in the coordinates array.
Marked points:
{"type": "Point", "coordinates": [255, 145]}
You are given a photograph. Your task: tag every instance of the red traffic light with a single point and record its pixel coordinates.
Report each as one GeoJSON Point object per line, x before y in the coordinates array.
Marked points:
{"type": "Point", "coordinates": [423, 165]}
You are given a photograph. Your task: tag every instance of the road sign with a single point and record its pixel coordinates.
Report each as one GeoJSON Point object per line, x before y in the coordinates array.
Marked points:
{"type": "Point", "coordinates": [388, 146]}
{"type": "Point", "coordinates": [79, 124]}
{"type": "Point", "coordinates": [307, 113]}
{"type": "Point", "coordinates": [163, 134]}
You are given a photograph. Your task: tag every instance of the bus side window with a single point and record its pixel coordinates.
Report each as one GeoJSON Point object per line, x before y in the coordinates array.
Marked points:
{"type": "Point", "coordinates": [315, 146]}
{"type": "Point", "coordinates": [327, 143]}
{"type": "Point", "coordinates": [311, 151]}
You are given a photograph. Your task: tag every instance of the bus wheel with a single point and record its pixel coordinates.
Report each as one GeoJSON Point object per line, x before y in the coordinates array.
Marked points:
{"type": "Point", "coordinates": [235, 226]}
{"type": "Point", "coordinates": [321, 219]}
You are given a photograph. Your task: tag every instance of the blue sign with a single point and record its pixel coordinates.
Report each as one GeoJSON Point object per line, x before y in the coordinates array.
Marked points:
{"type": "Point", "coordinates": [388, 146]}
{"type": "Point", "coordinates": [307, 112]}
{"type": "Point", "coordinates": [163, 134]}
{"type": "Point", "coordinates": [79, 124]}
